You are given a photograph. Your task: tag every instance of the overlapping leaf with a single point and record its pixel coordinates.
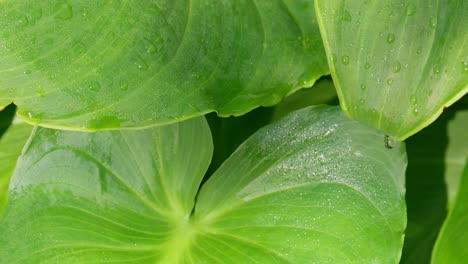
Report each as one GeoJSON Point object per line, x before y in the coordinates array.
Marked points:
{"type": "Point", "coordinates": [108, 64]}
{"type": "Point", "coordinates": [452, 241]}
{"type": "Point", "coordinates": [11, 144]}
{"type": "Point", "coordinates": [313, 187]}
{"type": "Point", "coordinates": [396, 64]}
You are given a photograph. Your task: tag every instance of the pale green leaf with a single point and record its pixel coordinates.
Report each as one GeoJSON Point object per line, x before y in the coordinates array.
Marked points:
{"type": "Point", "coordinates": [313, 187]}
{"type": "Point", "coordinates": [396, 64]}
{"type": "Point", "coordinates": [90, 65]}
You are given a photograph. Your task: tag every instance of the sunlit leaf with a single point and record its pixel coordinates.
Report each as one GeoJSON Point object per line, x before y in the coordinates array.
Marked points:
{"type": "Point", "coordinates": [108, 64]}
{"type": "Point", "coordinates": [396, 64]}
{"type": "Point", "coordinates": [313, 187]}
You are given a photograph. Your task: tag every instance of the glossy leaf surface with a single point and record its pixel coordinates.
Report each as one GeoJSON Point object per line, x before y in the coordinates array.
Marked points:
{"type": "Point", "coordinates": [91, 65]}
{"type": "Point", "coordinates": [311, 187]}
{"type": "Point", "coordinates": [11, 144]}
{"type": "Point", "coordinates": [396, 64]}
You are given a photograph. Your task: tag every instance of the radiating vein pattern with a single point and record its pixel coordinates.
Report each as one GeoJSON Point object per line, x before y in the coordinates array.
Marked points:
{"type": "Point", "coordinates": [106, 196]}
{"type": "Point", "coordinates": [313, 188]}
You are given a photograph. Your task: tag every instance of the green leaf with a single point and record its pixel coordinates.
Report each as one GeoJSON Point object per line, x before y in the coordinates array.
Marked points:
{"type": "Point", "coordinates": [396, 64]}
{"type": "Point", "coordinates": [11, 144]}
{"type": "Point", "coordinates": [313, 187]}
{"type": "Point", "coordinates": [322, 92]}
{"type": "Point", "coordinates": [457, 153]}
{"type": "Point", "coordinates": [104, 197]}
{"type": "Point", "coordinates": [90, 65]}
{"type": "Point", "coordinates": [451, 244]}
{"type": "Point", "coordinates": [436, 158]}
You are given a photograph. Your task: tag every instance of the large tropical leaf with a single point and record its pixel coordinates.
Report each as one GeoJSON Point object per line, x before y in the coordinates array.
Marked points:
{"type": "Point", "coordinates": [396, 64]}
{"type": "Point", "coordinates": [108, 64]}
{"type": "Point", "coordinates": [313, 187]}
{"type": "Point", "coordinates": [11, 144]}
{"type": "Point", "coordinates": [452, 241]}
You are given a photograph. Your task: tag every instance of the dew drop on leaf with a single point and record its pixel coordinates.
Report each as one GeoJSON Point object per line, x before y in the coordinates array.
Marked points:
{"type": "Point", "coordinates": [413, 99]}
{"type": "Point", "coordinates": [123, 85]}
{"type": "Point", "coordinates": [415, 110]}
{"type": "Point", "coordinates": [23, 21]}
{"type": "Point", "coordinates": [345, 60]}
{"type": "Point", "coordinates": [95, 86]}
{"type": "Point", "coordinates": [363, 87]}
{"type": "Point", "coordinates": [347, 16]}
{"type": "Point", "coordinates": [396, 67]}
{"type": "Point", "coordinates": [367, 65]}
{"type": "Point", "coordinates": [141, 64]}
{"type": "Point", "coordinates": [63, 11]}
{"type": "Point", "coordinates": [390, 38]}
{"type": "Point", "coordinates": [464, 67]}
{"type": "Point", "coordinates": [40, 92]}
{"type": "Point", "coordinates": [389, 142]}
{"type": "Point", "coordinates": [434, 22]}
{"type": "Point", "coordinates": [410, 9]}
{"type": "Point", "coordinates": [389, 81]}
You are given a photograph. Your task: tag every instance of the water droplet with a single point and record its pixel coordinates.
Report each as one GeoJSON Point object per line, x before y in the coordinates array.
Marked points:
{"type": "Point", "coordinates": [345, 60]}
{"type": "Point", "coordinates": [40, 92]}
{"type": "Point", "coordinates": [141, 64]}
{"type": "Point", "coordinates": [396, 67]}
{"type": "Point", "coordinates": [36, 14]}
{"type": "Point", "coordinates": [413, 99]}
{"type": "Point", "coordinates": [150, 47]}
{"type": "Point", "coordinates": [63, 11]}
{"type": "Point", "coordinates": [95, 86]}
{"type": "Point", "coordinates": [123, 85]}
{"type": "Point", "coordinates": [35, 119]}
{"type": "Point", "coordinates": [28, 71]}
{"type": "Point", "coordinates": [436, 69]}
{"type": "Point", "coordinates": [347, 16]}
{"type": "Point", "coordinates": [363, 87]}
{"type": "Point", "coordinates": [419, 51]}
{"type": "Point", "coordinates": [362, 101]}
{"type": "Point", "coordinates": [410, 9]}
{"type": "Point", "coordinates": [464, 67]}
{"type": "Point", "coordinates": [415, 110]}
{"type": "Point", "coordinates": [434, 22]}
{"type": "Point", "coordinates": [389, 81]}
{"type": "Point", "coordinates": [23, 21]}
{"type": "Point", "coordinates": [389, 142]}
{"type": "Point", "coordinates": [390, 38]}
{"type": "Point", "coordinates": [367, 66]}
